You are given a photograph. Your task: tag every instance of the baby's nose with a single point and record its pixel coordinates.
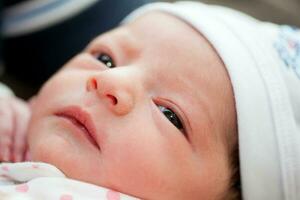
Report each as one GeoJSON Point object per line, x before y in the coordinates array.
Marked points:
{"type": "Point", "coordinates": [116, 94]}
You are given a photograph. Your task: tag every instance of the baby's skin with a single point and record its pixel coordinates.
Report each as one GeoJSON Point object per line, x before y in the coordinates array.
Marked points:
{"type": "Point", "coordinates": [146, 109]}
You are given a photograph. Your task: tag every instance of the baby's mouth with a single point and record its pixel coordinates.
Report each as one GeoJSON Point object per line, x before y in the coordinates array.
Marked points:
{"type": "Point", "coordinates": [81, 120]}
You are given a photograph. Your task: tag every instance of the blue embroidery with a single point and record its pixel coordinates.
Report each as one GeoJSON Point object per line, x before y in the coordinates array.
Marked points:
{"type": "Point", "coordinates": [288, 47]}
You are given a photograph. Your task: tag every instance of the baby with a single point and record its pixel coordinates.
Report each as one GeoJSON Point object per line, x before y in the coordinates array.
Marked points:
{"type": "Point", "coordinates": [165, 107]}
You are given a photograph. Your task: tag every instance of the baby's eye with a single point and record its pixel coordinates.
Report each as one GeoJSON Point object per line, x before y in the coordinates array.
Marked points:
{"type": "Point", "coordinates": [172, 117]}
{"type": "Point", "coordinates": [106, 59]}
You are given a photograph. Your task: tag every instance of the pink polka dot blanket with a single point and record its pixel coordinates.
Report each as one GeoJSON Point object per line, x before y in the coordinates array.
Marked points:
{"type": "Point", "coordinates": [32, 180]}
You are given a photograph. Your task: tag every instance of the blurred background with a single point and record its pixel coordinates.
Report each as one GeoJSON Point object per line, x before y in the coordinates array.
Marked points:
{"type": "Point", "coordinates": [39, 36]}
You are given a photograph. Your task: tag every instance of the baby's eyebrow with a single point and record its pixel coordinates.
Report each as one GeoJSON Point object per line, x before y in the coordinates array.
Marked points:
{"type": "Point", "coordinates": [126, 41]}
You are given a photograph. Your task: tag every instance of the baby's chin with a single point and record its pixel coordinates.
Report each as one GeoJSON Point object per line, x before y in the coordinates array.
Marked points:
{"type": "Point", "coordinates": [53, 144]}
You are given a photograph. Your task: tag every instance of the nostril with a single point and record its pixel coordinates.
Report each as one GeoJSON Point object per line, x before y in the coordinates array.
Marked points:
{"type": "Point", "coordinates": [92, 84]}
{"type": "Point", "coordinates": [113, 99]}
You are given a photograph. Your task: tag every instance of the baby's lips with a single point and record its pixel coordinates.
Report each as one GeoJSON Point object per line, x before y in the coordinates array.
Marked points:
{"type": "Point", "coordinates": [82, 119]}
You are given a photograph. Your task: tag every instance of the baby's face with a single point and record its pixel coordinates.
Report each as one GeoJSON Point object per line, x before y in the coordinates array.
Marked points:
{"type": "Point", "coordinates": [145, 110]}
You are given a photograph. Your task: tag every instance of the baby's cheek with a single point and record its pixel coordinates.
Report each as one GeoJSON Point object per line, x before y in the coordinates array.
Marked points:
{"type": "Point", "coordinates": [130, 168]}
{"type": "Point", "coordinates": [41, 147]}
{"type": "Point", "coordinates": [51, 88]}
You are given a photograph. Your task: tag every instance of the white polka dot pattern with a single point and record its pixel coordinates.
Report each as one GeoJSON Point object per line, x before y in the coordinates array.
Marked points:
{"type": "Point", "coordinates": [30, 180]}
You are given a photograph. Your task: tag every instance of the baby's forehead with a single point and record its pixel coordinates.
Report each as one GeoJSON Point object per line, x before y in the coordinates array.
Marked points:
{"type": "Point", "coordinates": [161, 30]}
{"type": "Point", "coordinates": [156, 25]}
{"type": "Point", "coordinates": [163, 40]}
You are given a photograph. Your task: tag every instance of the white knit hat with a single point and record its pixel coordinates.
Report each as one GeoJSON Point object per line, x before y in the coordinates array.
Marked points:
{"type": "Point", "coordinates": [263, 62]}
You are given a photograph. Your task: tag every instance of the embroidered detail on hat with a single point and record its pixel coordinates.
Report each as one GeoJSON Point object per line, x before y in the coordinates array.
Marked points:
{"type": "Point", "coordinates": [288, 47]}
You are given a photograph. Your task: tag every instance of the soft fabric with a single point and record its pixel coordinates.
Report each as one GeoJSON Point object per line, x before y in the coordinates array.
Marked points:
{"type": "Point", "coordinates": [263, 62]}
{"type": "Point", "coordinates": [32, 181]}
